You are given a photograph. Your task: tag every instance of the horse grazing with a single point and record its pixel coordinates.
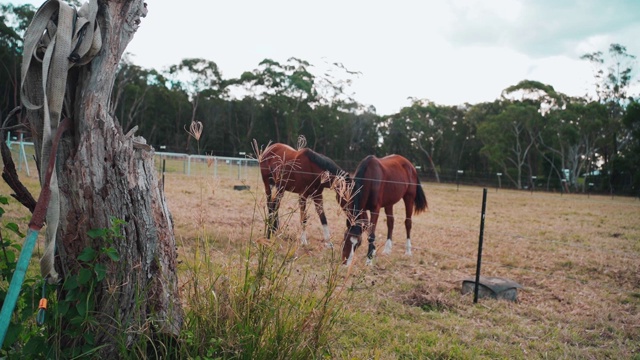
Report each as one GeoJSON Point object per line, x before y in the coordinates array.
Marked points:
{"type": "Point", "coordinates": [303, 172]}
{"type": "Point", "coordinates": [380, 183]}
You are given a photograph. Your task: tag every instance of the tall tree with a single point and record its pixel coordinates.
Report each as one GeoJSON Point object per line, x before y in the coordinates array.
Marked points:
{"type": "Point", "coordinates": [631, 155]}
{"type": "Point", "coordinates": [613, 73]}
{"type": "Point", "coordinates": [545, 99]}
{"type": "Point", "coordinates": [507, 140]}
{"type": "Point", "coordinates": [132, 85]}
{"type": "Point", "coordinates": [287, 92]}
{"type": "Point", "coordinates": [426, 128]}
{"type": "Point", "coordinates": [199, 78]}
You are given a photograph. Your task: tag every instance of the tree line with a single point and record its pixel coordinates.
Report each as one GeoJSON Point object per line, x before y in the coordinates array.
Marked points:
{"type": "Point", "coordinates": [531, 136]}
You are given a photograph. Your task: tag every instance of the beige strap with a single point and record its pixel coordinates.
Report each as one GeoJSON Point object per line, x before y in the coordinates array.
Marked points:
{"type": "Point", "coordinates": [57, 38]}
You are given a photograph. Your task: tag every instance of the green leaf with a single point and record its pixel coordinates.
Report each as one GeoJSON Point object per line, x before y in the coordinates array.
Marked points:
{"type": "Point", "coordinates": [34, 348]}
{"type": "Point", "coordinates": [101, 271]}
{"type": "Point", "coordinates": [78, 320]}
{"type": "Point", "coordinates": [1, 211]}
{"type": "Point", "coordinates": [84, 276]}
{"type": "Point", "coordinates": [11, 257]}
{"type": "Point", "coordinates": [63, 308]}
{"type": "Point", "coordinates": [13, 332]}
{"type": "Point", "coordinates": [82, 309]}
{"type": "Point", "coordinates": [4, 200]}
{"type": "Point", "coordinates": [97, 233]}
{"type": "Point", "coordinates": [112, 253]}
{"type": "Point", "coordinates": [89, 337]}
{"type": "Point", "coordinates": [14, 227]}
{"type": "Point", "coordinates": [73, 294]}
{"type": "Point", "coordinates": [71, 283]}
{"type": "Point", "coordinates": [88, 254]}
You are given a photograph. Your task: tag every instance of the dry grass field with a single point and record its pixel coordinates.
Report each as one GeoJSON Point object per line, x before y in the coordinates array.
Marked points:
{"type": "Point", "coordinates": [576, 256]}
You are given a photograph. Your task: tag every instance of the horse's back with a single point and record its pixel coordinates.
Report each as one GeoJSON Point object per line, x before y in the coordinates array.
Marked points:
{"type": "Point", "coordinates": [278, 152]}
{"type": "Point", "coordinates": [298, 169]}
{"type": "Point", "coordinates": [387, 180]}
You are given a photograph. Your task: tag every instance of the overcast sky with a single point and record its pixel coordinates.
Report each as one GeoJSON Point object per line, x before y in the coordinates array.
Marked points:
{"type": "Point", "coordinates": [447, 51]}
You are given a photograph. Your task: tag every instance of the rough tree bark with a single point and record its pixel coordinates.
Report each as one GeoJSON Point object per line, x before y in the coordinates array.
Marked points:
{"type": "Point", "coordinates": [103, 173]}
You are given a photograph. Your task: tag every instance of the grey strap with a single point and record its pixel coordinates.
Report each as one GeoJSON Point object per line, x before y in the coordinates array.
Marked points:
{"type": "Point", "coordinates": [57, 39]}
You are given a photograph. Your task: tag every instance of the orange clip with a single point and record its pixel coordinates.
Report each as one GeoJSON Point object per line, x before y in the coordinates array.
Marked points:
{"type": "Point", "coordinates": [43, 304]}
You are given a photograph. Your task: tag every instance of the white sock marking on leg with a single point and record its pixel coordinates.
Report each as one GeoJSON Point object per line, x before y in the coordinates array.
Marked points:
{"type": "Point", "coordinates": [387, 247]}
{"type": "Point", "coordinates": [408, 252]}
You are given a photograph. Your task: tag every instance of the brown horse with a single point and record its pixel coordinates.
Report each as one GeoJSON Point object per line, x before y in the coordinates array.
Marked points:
{"type": "Point", "coordinates": [380, 183]}
{"type": "Point", "coordinates": [304, 172]}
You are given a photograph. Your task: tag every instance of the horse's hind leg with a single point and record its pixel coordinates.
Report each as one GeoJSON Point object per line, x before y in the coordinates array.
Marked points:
{"type": "Point", "coordinates": [317, 200]}
{"type": "Point", "coordinates": [272, 220]}
{"type": "Point", "coordinates": [388, 245]}
{"type": "Point", "coordinates": [407, 224]}
{"type": "Point", "coordinates": [302, 201]}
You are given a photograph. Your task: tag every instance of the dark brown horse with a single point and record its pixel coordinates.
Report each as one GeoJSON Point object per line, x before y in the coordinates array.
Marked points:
{"type": "Point", "coordinates": [380, 183]}
{"type": "Point", "coordinates": [304, 172]}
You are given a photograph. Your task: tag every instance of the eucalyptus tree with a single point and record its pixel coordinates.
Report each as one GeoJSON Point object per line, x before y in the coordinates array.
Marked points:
{"type": "Point", "coordinates": [470, 156]}
{"type": "Point", "coordinates": [546, 99]}
{"type": "Point", "coordinates": [425, 128]}
{"type": "Point", "coordinates": [286, 92]}
{"type": "Point", "coordinates": [162, 119]}
{"type": "Point", "coordinates": [200, 79]}
{"type": "Point", "coordinates": [613, 75]}
{"type": "Point", "coordinates": [132, 85]}
{"type": "Point", "coordinates": [335, 105]}
{"type": "Point", "coordinates": [393, 131]}
{"type": "Point", "coordinates": [571, 139]}
{"type": "Point", "coordinates": [507, 138]}
{"type": "Point", "coordinates": [631, 154]}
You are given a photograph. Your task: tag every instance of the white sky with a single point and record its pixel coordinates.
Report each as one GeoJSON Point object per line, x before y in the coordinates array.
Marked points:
{"type": "Point", "coordinates": [447, 51]}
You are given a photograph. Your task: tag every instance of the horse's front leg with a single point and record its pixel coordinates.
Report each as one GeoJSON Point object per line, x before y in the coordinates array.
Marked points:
{"type": "Point", "coordinates": [317, 200]}
{"type": "Point", "coordinates": [372, 235]}
{"type": "Point", "coordinates": [274, 195]}
{"type": "Point", "coordinates": [302, 201]}
{"type": "Point", "coordinates": [388, 245]}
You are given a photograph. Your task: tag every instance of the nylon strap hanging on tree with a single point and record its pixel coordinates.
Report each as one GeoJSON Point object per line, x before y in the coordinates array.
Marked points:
{"type": "Point", "coordinates": [56, 40]}
{"type": "Point", "coordinates": [36, 223]}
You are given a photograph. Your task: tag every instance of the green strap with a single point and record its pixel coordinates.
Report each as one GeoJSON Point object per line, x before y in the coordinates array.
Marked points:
{"type": "Point", "coordinates": [36, 223]}
{"type": "Point", "coordinates": [16, 283]}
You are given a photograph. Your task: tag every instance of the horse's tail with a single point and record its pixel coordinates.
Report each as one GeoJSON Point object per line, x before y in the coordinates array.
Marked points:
{"type": "Point", "coordinates": [420, 203]}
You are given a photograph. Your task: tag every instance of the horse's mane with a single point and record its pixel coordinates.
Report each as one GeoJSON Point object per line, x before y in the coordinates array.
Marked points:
{"type": "Point", "coordinates": [324, 162]}
{"type": "Point", "coordinates": [358, 179]}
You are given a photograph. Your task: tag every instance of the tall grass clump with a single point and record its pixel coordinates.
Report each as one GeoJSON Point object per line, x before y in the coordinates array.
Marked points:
{"type": "Point", "coordinates": [259, 306]}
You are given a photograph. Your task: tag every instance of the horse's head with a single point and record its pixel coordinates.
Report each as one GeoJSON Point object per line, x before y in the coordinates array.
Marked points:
{"type": "Point", "coordinates": [352, 239]}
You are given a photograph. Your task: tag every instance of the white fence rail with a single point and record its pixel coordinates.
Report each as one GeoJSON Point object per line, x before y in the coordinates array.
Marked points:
{"type": "Point", "coordinates": [206, 165]}
{"type": "Point", "coordinates": [22, 153]}
{"type": "Point", "coordinates": [237, 168]}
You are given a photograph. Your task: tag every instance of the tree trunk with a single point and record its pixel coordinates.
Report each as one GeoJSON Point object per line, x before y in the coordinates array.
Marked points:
{"type": "Point", "coordinates": [102, 174]}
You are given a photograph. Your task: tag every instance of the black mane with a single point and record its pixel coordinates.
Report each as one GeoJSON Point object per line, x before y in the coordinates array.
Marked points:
{"type": "Point", "coordinates": [324, 162]}
{"type": "Point", "coordinates": [358, 180]}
